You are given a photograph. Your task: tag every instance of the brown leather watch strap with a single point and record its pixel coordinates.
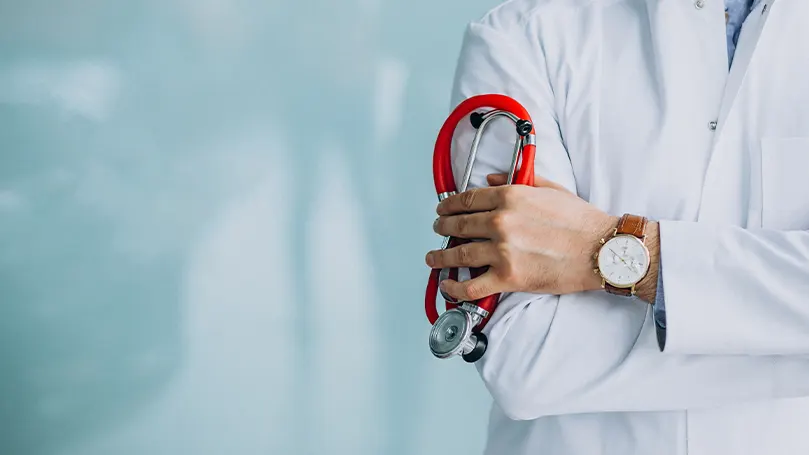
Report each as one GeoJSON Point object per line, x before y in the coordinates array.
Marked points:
{"type": "Point", "coordinates": [624, 292]}
{"type": "Point", "coordinates": [628, 225]}
{"type": "Point", "coordinates": [632, 225]}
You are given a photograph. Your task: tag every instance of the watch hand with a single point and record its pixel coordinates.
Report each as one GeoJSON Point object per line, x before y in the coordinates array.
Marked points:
{"type": "Point", "coordinates": [619, 257]}
{"type": "Point", "coordinates": [629, 265]}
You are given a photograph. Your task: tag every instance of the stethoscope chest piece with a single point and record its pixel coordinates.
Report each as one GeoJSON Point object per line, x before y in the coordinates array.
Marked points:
{"type": "Point", "coordinates": [452, 335]}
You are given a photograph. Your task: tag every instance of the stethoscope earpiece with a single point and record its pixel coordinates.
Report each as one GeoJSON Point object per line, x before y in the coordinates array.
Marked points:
{"type": "Point", "coordinates": [524, 127]}
{"type": "Point", "coordinates": [476, 118]}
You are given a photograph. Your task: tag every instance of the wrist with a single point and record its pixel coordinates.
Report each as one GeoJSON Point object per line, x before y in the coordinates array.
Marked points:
{"type": "Point", "coordinates": [629, 240]}
{"type": "Point", "coordinates": [646, 289]}
{"type": "Point", "coordinates": [604, 231]}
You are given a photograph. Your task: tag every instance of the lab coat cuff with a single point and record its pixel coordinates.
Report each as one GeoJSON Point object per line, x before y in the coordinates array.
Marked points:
{"type": "Point", "coordinates": [694, 299]}
{"type": "Point", "coordinates": [659, 310]}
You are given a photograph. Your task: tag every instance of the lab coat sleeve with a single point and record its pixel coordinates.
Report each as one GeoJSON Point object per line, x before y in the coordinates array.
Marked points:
{"type": "Point", "coordinates": [735, 291]}
{"type": "Point", "coordinates": [659, 310]}
{"type": "Point", "coordinates": [588, 352]}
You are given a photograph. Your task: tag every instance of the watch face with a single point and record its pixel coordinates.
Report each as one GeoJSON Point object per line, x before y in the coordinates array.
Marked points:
{"type": "Point", "coordinates": [623, 260]}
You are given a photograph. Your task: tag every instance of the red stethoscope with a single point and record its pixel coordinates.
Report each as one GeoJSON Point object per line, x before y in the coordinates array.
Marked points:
{"type": "Point", "coordinates": [458, 330]}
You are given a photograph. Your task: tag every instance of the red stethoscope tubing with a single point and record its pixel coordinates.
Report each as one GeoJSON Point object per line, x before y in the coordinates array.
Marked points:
{"type": "Point", "coordinates": [445, 183]}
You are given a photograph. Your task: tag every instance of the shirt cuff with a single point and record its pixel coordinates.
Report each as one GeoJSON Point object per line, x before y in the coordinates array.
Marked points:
{"type": "Point", "coordinates": [659, 310]}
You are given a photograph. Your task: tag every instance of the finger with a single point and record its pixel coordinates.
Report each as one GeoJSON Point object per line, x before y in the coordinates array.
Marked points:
{"type": "Point", "coordinates": [474, 200]}
{"type": "Point", "coordinates": [497, 179]}
{"type": "Point", "coordinates": [472, 226]}
{"type": "Point", "coordinates": [474, 254]}
{"type": "Point", "coordinates": [474, 289]}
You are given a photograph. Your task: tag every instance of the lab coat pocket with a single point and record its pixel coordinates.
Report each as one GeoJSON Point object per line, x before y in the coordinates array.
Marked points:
{"type": "Point", "coordinates": [785, 183]}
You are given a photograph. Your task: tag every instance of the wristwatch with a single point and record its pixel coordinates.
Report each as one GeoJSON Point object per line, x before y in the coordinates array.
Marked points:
{"type": "Point", "coordinates": [623, 259]}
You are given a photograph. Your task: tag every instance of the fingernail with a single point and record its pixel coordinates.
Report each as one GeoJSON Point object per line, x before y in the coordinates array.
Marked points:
{"type": "Point", "coordinates": [430, 260]}
{"type": "Point", "coordinates": [435, 224]}
{"type": "Point", "coordinates": [442, 285]}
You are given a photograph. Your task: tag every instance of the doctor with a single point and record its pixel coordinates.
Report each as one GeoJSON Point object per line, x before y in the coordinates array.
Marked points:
{"type": "Point", "coordinates": [682, 126]}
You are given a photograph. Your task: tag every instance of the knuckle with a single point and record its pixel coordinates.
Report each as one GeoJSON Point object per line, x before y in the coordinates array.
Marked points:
{"type": "Point", "coordinates": [474, 291]}
{"type": "Point", "coordinates": [504, 252]}
{"type": "Point", "coordinates": [509, 274]}
{"type": "Point", "coordinates": [509, 194]}
{"type": "Point", "coordinates": [462, 225]}
{"type": "Point", "coordinates": [465, 255]}
{"type": "Point", "coordinates": [507, 267]}
{"type": "Point", "coordinates": [499, 222]}
{"type": "Point", "coordinates": [467, 199]}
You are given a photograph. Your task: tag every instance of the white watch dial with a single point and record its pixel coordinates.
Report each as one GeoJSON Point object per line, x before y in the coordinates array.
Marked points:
{"type": "Point", "coordinates": [623, 260]}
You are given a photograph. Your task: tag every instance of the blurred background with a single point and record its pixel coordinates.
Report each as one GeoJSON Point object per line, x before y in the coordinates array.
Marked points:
{"type": "Point", "coordinates": [213, 217]}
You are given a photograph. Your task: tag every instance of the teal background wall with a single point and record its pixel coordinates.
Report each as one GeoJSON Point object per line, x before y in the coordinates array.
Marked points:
{"type": "Point", "coordinates": [213, 217]}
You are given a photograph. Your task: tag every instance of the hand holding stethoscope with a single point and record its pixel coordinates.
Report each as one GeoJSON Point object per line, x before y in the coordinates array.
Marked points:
{"type": "Point", "coordinates": [458, 330]}
{"type": "Point", "coordinates": [542, 243]}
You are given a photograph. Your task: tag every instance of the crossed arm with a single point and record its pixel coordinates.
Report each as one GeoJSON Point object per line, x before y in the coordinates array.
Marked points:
{"type": "Point", "coordinates": [539, 240]}
{"type": "Point", "coordinates": [559, 344]}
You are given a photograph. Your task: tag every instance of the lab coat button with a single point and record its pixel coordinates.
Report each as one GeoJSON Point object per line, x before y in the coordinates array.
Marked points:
{"type": "Point", "coordinates": [699, 4]}
{"type": "Point", "coordinates": [712, 126]}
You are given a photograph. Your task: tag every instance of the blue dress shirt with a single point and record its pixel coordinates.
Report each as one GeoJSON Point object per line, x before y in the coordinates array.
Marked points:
{"type": "Point", "coordinates": [736, 12]}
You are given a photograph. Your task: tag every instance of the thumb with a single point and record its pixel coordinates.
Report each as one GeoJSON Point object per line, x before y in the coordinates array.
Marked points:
{"type": "Point", "coordinates": [496, 179]}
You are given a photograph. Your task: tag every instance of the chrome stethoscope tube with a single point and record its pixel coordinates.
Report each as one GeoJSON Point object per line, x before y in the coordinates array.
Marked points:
{"type": "Point", "coordinates": [484, 121]}
{"type": "Point", "coordinates": [481, 123]}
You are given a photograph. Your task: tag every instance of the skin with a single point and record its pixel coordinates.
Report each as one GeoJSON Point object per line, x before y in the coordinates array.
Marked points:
{"type": "Point", "coordinates": [539, 239]}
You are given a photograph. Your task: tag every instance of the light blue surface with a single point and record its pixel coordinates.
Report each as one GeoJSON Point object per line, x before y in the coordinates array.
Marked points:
{"type": "Point", "coordinates": [213, 216]}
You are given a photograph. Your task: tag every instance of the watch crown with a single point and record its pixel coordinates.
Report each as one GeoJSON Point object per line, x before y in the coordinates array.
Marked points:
{"type": "Point", "coordinates": [602, 241]}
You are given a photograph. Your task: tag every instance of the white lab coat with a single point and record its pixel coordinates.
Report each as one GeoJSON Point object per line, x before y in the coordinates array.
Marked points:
{"type": "Point", "coordinates": [623, 94]}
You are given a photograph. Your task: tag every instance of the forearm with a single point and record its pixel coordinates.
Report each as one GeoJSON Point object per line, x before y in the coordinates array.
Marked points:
{"type": "Point", "coordinates": [593, 352]}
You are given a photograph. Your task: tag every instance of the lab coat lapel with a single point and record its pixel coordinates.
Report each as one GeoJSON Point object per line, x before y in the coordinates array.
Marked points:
{"type": "Point", "coordinates": [748, 42]}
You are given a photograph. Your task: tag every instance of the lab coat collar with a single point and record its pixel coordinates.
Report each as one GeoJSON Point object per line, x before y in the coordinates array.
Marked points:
{"type": "Point", "coordinates": [745, 51]}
